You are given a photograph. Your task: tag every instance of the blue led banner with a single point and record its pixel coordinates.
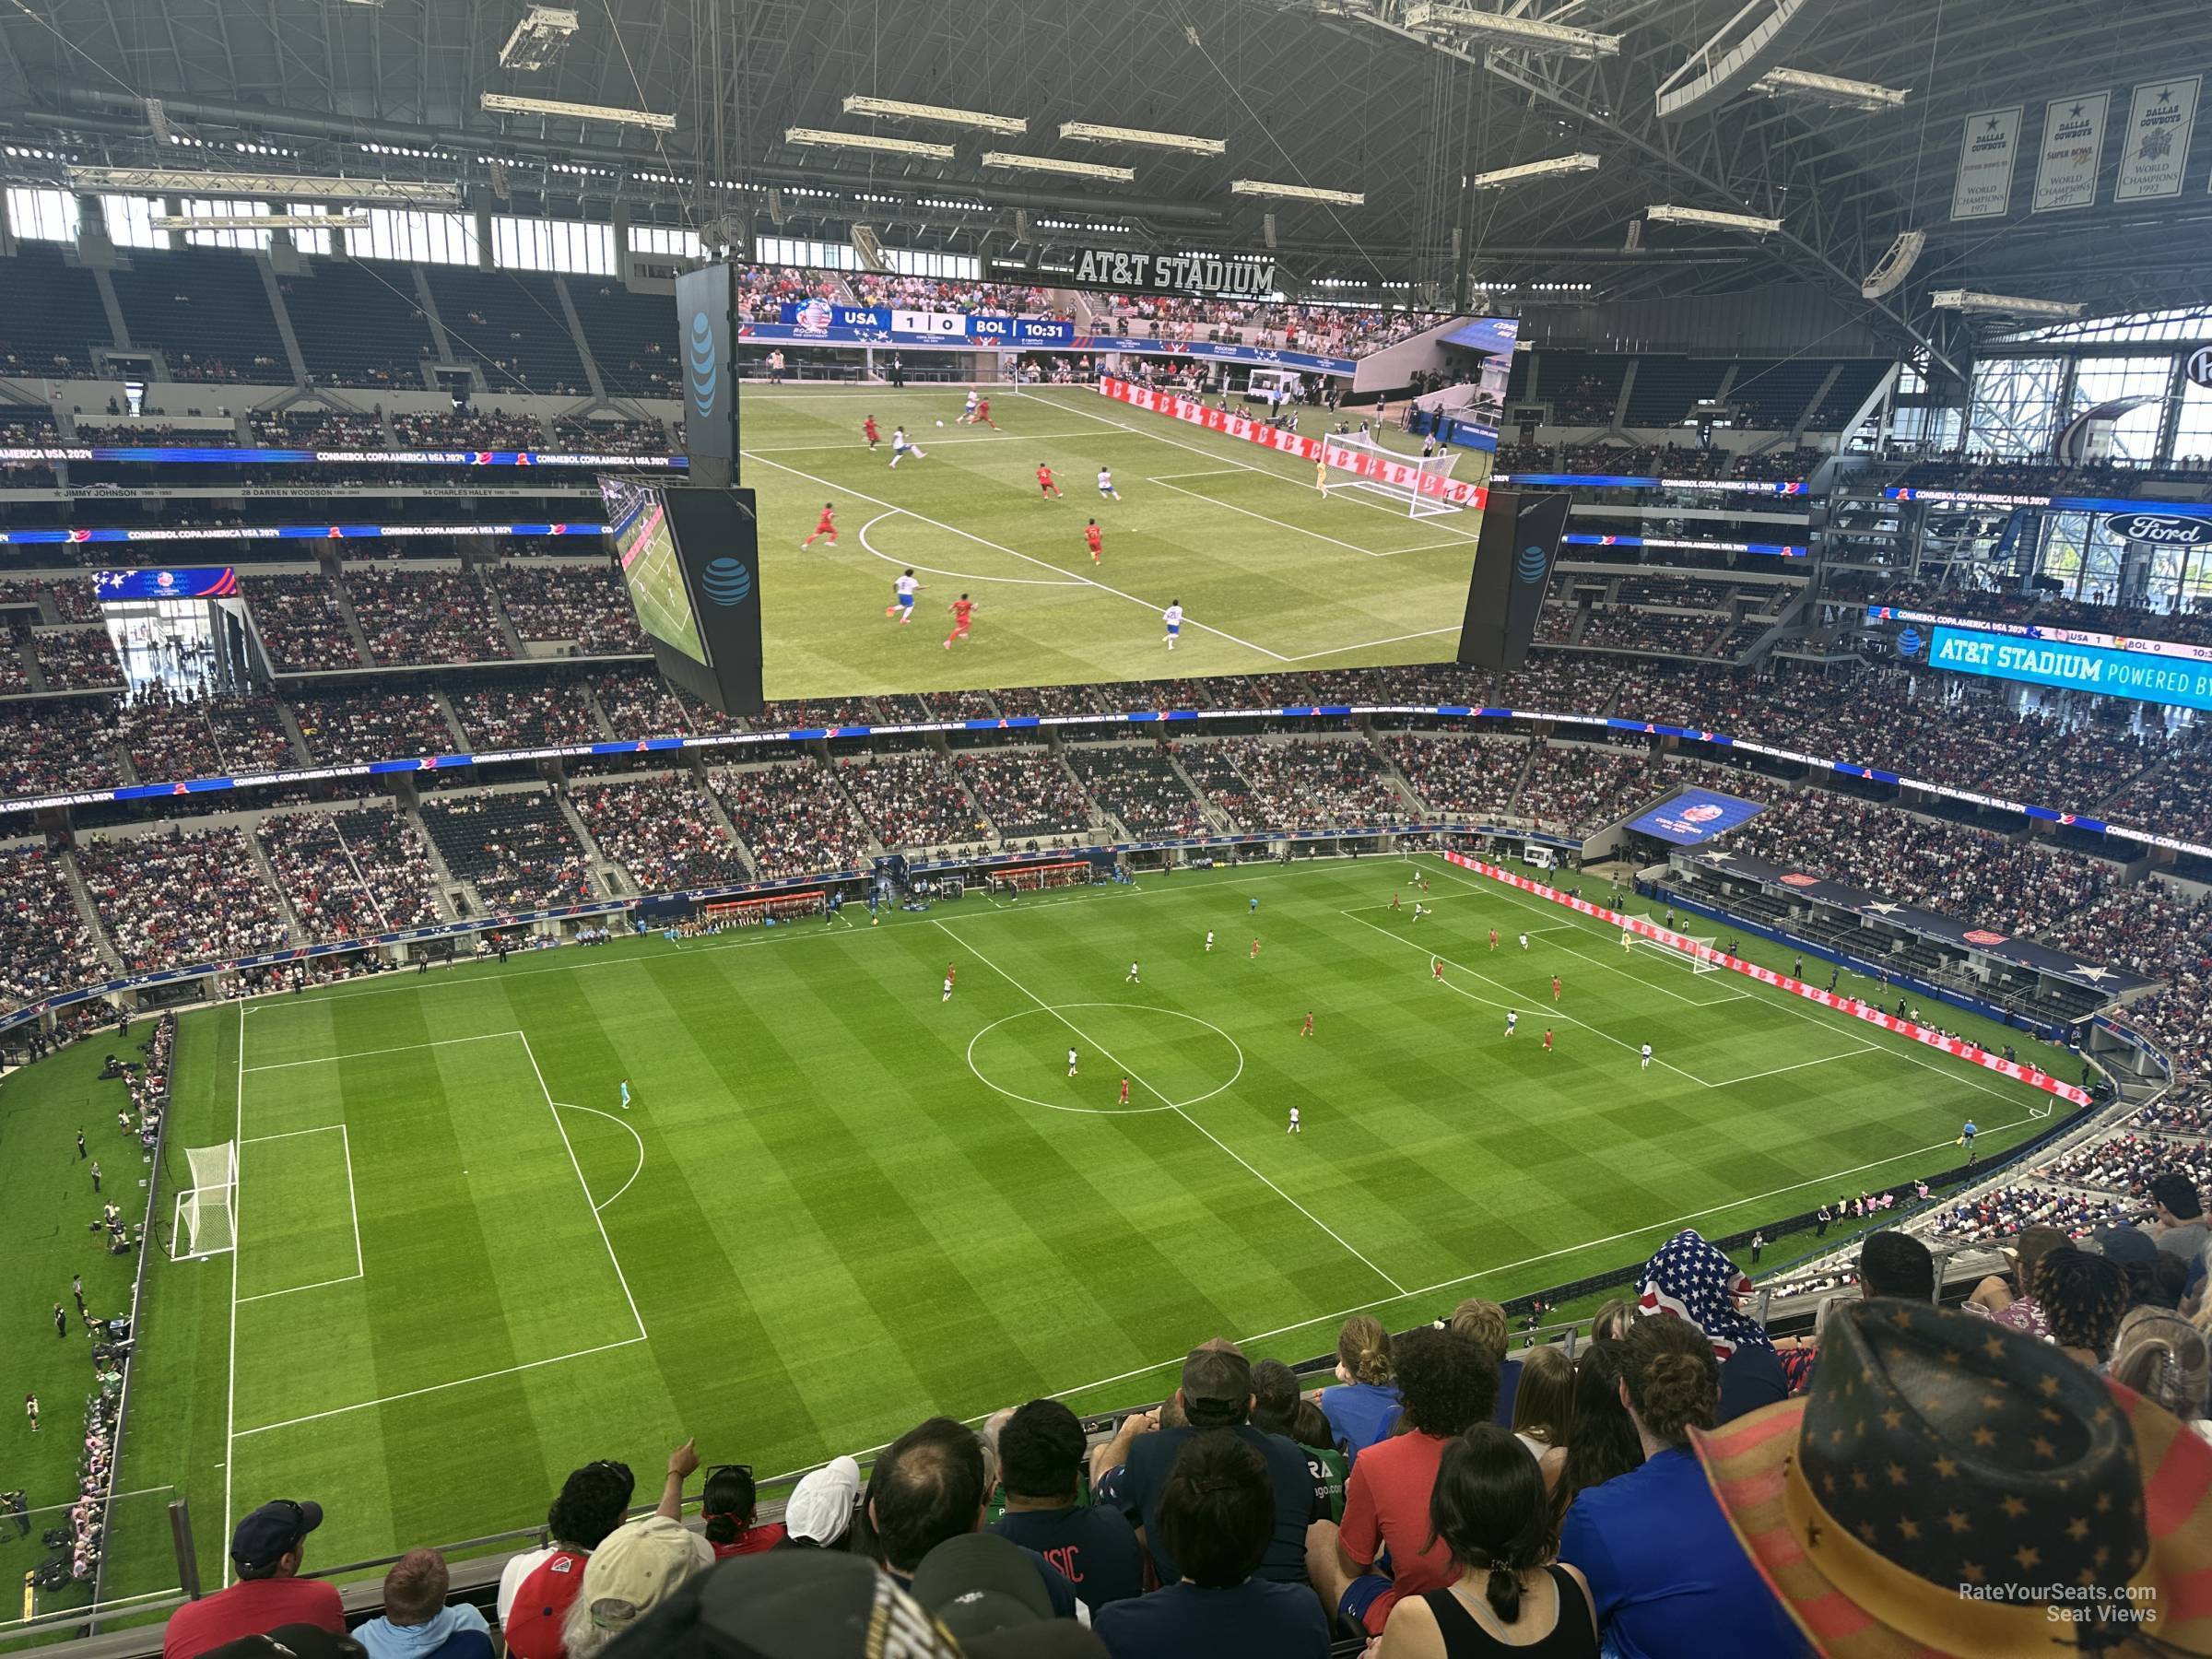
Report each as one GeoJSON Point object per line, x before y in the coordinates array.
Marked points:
{"type": "Point", "coordinates": [882, 324]}
{"type": "Point", "coordinates": [2145, 676]}
{"type": "Point", "coordinates": [217, 533]}
{"type": "Point", "coordinates": [1778, 549]}
{"type": "Point", "coordinates": [186, 455]}
{"type": "Point", "coordinates": [1695, 816]}
{"type": "Point", "coordinates": [1783, 486]}
{"type": "Point", "coordinates": [212, 581]}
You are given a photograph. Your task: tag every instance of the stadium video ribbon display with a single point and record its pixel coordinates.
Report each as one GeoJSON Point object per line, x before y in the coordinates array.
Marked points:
{"type": "Point", "coordinates": [2149, 677]}
{"type": "Point", "coordinates": [691, 560]}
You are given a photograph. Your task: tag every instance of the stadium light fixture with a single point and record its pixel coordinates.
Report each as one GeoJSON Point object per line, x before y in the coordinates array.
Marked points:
{"type": "Point", "coordinates": [1834, 90]}
{"type": "Point", "coordinates": [2009, 305]}
{"type": "Point", "coordinates": [1297, 193]}
{"type": "Point", "coordinates": [1092, 132]}
{"type": "Point", "coordinates": [541, 36]}
{"type": "Point", "coordinates": [508, 104]}
{"type": "Point", "coordinates": [1531, 33]}
{"type": "Point", "coordinates": [898, 108]}
{"type": "Point", "coordinates": [1534, 169]}
{"type": "Point", "coordinates": [1718, 221]}
{"type": "Point", "coordinates": [261, 221]}
{"type": "Point", "coordinates": [818, 138]}
{"type": "Point", "coordinates": [177, 180]}
{"type": "Point", "coordinates": [1052, 164]}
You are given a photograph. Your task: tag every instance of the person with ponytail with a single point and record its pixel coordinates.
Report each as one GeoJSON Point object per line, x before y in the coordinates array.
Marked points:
{"type": "Point", "coordinates": [1488, 1507]}
{"type": "Point", "coordinates": [1364, 1406]}
{"type": "Point", "coordinates": [727, 1505]}
{"type": "Point", "coordinates": [1664, 1567]}
{"type": "Point", "coordinates": [1601, 1437]}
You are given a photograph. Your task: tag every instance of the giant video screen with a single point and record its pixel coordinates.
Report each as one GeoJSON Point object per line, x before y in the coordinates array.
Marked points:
{"type": "Point", "coordinates": [645, 548]}
{"type": "Point", "coordinates": [1050, 536]}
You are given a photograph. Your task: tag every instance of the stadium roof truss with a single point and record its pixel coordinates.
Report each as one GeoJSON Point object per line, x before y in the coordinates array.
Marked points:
{"type": "Point", "coordinates": [1345, 93]}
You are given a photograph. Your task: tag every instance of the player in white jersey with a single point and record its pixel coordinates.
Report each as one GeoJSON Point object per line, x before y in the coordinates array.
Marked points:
{"type": "Point", "coordinates": [1173, 617]}
{"type": "Point", "coordinates": [1645, 1064]}
{"type": "Point", "coordinates": [1132, 980]}
{"type": "Point", "coordinates": [902, 446]}
{"type": "Point", "coordinates": [1106, 485]}
{"type": "Point", "coordinates": [1071, 1062]}
{"type": "Point", "coordinates": [1525, 941]}
{"type": "Point", "coordinates": [968, 410]}
{"type": "Point", "coordinates": [1209, 941]}
{"type": "Point", "coordinates": [1419, 909]}
{"type": "Point", "coordinates": [1293, 1129]}
{"type": "Point", "coordinates": [1512, 1018]}
{"type": "Point", "coordinates": [902, 599]}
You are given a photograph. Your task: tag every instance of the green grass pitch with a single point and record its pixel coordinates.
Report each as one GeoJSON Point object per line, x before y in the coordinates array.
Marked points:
{"type": "Point", "coordinates": [840, 1203]}
{"type": "Point", "coordinates": [1271, 576]}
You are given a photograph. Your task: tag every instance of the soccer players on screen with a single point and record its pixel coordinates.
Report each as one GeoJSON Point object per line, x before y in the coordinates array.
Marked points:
{"type": "Point", "coordinates": [1645, 1063]}
{"type": "Point", "coordinates": [825, 525]}
{"type": "Point", "coordinates": [1173, 617]}
{"type": "Point", "coordinates": [968, 411]}
{"type": "Point", "coordinates": [901, 447]}
{"type": "Point", "coordinates": [1512, 1018]}
{"type": "Point", "coordinates": [950, 971]}
{"type": "Point", "coordinates": [1093, 540]}
{"type": "Point", "coordinates": [963, 609]}
{"type": "Point", "coordinates": [1293, 1129]}
{"type": "Point", "coordinates": [1106, 485]}
{"type": "Point", "coordinates": [867, 431]}
{"type": "Point", "coordinates": [1071, 1062]}
{"type": "Point", "coordinates": [1045, 481]}
{"type": "Point", "coordinates": [982, 414]}
{"type": "Point", "coordinates": [902, 599]}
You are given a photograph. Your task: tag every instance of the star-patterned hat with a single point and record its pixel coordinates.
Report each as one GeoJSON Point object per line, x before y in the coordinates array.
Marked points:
{"type": "Point", "coordinates": [1950, 1485]}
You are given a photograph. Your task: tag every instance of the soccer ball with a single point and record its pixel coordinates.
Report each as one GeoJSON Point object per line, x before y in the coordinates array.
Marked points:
{"type": "Point", "coordinates": [940, 423]}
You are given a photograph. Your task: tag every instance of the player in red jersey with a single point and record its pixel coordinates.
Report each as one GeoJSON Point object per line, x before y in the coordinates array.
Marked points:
{"type": "Point", "coordinates": [961, 608]}
{"type": "Point", "coordinates": [867, 431]}
{"type": "Point", "coordinates": [1044, 480]}
{"type": "Point", "coordinates": [1493, 938]}
{"type": "Point", "coordinates": [1094, 540]}
{"type": "Point", "coordinates": [1124, 1092]}
{"type": "Point", "coordinates": [1548, 1039]}
{"type": "Point", "coordinates": [1555, 987]}
{"type": "Point", "coordinates": [1255, 952]}
{"type": "Point", "coordinates": [1393, 902]}
{"type": "Point", "coordinates": [826, 525]}
{"type": "Point", "coordinates": [982, 415]}
{"type": "Point", "coordinates": [1436, 968]}
{"type": "Point", "coordinates": [1307, 1029]}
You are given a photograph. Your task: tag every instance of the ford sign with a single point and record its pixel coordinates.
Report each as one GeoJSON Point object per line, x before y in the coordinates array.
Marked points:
{"type": "Point", "coordinates": [2164, 529]}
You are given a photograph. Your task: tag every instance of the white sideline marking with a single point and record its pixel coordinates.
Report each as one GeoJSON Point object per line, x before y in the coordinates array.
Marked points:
{"type": "Point", "coordinates": [1044, 564]}
{"type": "Point", "coordinates": [610, 1117]}
{"type": "Point", "coordinates": [236, 1239]}
{"type": "Point", "coordinates": [411, 1394]}
{"type": "Point", "coordinates": [861, 444]}
{"type": "Point", "coordinates": [1170, 1105]}
{"type": "Point", "coordinates": [399, 1048]}
{"type": "Point", "coordinates": [1863, 1048]}
{"type": "Point", "coordinates": [1364, 644]}
{"type": "Point", "coordinates": [255, 1141]}
{"type": "Point", "coordinates": [553, 1106]}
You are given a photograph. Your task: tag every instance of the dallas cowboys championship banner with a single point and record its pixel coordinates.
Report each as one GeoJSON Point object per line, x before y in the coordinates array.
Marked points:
{"type": "Point", "coordinates": [1204, 275]}
{"type": "Point", "coordinates": [2065, 168]}
{"type": "Point", "coordinates": [1986, 151]}
{"type": "Point", "coordinates": [2154, 150]}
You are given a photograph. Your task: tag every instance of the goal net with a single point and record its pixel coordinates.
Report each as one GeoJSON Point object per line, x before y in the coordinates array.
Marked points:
{"type": "Point", "coordinates": [1418, 483]}
{"type": "Point", "coordinates": [206, 1217]}
{"type": "Point", "coordinates": [1682, 955]}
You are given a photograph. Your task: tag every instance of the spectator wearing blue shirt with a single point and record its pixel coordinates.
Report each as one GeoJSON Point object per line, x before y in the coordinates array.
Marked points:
{"type": "Point", "coordinates": [416, 1624]}
{"type": "Point", "coordinates": [1364, 1406]}
{"type": "Point", "coordinates": [1216, 1515]}
{"type": "Point", "coordinates": [1664, 1567]}
{"type": "Point", "coordinates": [930, 1486]}
{"type": "Point", "coordinates": [1040, 1452]}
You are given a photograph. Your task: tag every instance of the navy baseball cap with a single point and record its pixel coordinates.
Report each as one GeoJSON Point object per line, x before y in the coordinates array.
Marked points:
{"type": "Point", "coordinates": [276, 1529]}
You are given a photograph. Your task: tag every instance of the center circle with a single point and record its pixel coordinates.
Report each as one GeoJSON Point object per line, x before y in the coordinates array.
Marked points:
{"type": "Point", "coordinates": [956, 575]}
{"type": "Point", "coordinates": [1035, 1054]}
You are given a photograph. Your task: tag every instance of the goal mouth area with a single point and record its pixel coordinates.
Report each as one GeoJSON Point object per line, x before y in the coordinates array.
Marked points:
{"type": "Point", "coordinates": [1697, 960]}
{"type": "Point", "coordinates": [1421, 483]}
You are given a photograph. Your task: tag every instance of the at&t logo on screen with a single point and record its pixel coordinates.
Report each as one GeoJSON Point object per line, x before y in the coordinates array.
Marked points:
{"type": "Point", "coordinates": [1909, 642]}
{"type": "Point", "coordinates": [726, 581]}
{"type": "Point", "coordinates": [706, 374]}
{"type": "Point", "coordinates": [1529, 566]}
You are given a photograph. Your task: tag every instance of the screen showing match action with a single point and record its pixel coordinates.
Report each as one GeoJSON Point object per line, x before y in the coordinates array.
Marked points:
{"type": "Point", "coordinates": [645, 545]}
{"type": "Point", "coordinates": [938, 539]}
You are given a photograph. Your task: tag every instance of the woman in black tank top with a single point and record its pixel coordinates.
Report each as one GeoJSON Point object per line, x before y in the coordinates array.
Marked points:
{"type": "Point", "coordinates": [1489, 1505]}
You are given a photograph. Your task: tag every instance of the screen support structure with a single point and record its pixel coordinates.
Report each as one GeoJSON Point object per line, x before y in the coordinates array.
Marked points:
{"type": "Point", "coordinates": [707, 334]}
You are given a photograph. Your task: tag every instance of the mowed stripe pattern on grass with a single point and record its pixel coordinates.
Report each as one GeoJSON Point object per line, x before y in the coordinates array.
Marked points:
{"type": "Point", "coordinates": [838, 1227]}
{"type": "Point", "coordinates": [1269, 573]}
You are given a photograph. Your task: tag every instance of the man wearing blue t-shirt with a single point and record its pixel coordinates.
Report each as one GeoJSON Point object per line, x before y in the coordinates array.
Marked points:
{"type": "Point", "coordinates": [1216, 1518]}
{"type": "Point", "coordinates": [1040, 1460]}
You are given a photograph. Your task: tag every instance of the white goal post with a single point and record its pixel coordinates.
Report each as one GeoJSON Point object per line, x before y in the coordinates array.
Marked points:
{"type": "Point", "coordinates": [1418, 483]}
{"type": "Point", "coordinates": [1679, 954]}
{"type": "Point", "coordinates": [206, 1213]}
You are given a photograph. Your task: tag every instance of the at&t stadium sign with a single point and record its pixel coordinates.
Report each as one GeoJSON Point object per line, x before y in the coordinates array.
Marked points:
{"type": "Point", "coordinates": [1124, 272]}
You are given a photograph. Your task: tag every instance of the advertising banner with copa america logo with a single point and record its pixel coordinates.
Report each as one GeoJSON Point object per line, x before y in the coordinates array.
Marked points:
{"type": "Point", "coordinates": [1990, 143]}
{"type": "Point", "coordinates": [2154, 150]}
{"type": "Point", "coordinates": [2065, 168]}
{"type": "Point", "coordinates": [1208, 275]}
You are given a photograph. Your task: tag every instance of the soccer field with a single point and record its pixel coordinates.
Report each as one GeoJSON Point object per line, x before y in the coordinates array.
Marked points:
{"type": "Point", "coordinates": [840, 1203]}
{"type": "Point", "coordinates": [1271, 575]}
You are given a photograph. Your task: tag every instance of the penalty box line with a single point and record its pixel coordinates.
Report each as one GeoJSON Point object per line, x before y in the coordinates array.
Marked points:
{"type": "Point", "coordinates": [1172, 1106]}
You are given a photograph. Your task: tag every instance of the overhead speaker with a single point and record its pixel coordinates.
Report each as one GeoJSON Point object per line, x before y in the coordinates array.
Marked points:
{"type": "Point", "coordinates": [1268, 229]}
{"type": "Point", "coordinates": [1021, 224]}
{"type": "Point", "coordinates": [869, 247]}
{"type": "Point", "coordinates": [158, 118]}
{"type": "Point", "coordinates": [1893, 267]}
{"type": "Point", "coordinates": [776, 214]}
{"type": "Point", "coordinates": [500, 186]}
{"type": "Point", "coordinates": [1635, 242]}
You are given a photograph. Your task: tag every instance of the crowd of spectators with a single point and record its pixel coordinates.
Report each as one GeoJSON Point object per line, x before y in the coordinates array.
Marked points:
{"type": "Point", "coordinates": [662, 832]}
{"type": "Point", "coordinates": [300, 622]}
{"type": "Point", "coordinates": [346, 728]}
{"type": "Point", "coordinates": [1328, 330]}
{"type": "Point", "coordinates": [46, 747]}
{"type": "Point", "coordinates": [609, 437]}
{"type": "Point", "coordinates": [505, 717]}
{"type": "Point", "coordinates": [167, 736]}
{"type": "Point", "coordinates": [1470, 776]}
{"type": "Point", "coordinates": [761, 291]}
{"type": "Point", "coordinates": [425, 615]}
{"type": "Point", "coordinates": [1296, 783]}
{"type": "Point", "coordinates": [139, 885]}
{"type": "Point", "coordinates": [76, 659]}
{"type": "Point", "coordinates": [585, 602]}
{"type": "Point", "coordinates": [45, 946]}
{"type": "Point", "coordinates": [945, 294]}
{"type": "Point", "coordinates": [73, 600]}
{"type": "Point", "coordinates": [1025, 793]}
{"type": "Point", "coordinates": [1576, 789]}
{"type": "Point", "coordinates": [515, 848]}
{"type": "Point", "coordinates": [913, 800]}
{"type": "Point", "coordinates": [793, 819]}
{"type": "Point", "coordinates": [1139, 785]}
{"type": "Point", "coordinates": [469, 430]}
{"type": "Point", "coordinates": [2000, 1212]}
{"type": "Point", "coordinates": [637, 702]}
{"type": "Point", "coordinates": [319, 878]}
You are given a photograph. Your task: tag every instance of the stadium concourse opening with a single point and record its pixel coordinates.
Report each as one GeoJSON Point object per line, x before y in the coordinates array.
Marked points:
{"type": "Point", "coordinates": [1073, 841]}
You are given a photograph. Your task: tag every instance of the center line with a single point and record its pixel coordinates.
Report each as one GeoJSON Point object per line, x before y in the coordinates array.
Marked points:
{"type": "Point", "coordinates": [1170, 1105]}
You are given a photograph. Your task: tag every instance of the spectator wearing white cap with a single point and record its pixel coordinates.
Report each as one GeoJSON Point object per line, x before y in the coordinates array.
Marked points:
{"type": "Point", "coordinates": [818, 1513]}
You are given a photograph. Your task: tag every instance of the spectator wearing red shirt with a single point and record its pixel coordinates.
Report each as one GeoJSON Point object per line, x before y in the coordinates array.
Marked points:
{"type": "Point", "coordinates": [266, 1549]}
{"type": "Point", "coordinates": [1446, 1388]}
{"type": "Point", "coordinates": [727, 1505]}
{"type": "Point", "coordinates": [536, 1589]}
